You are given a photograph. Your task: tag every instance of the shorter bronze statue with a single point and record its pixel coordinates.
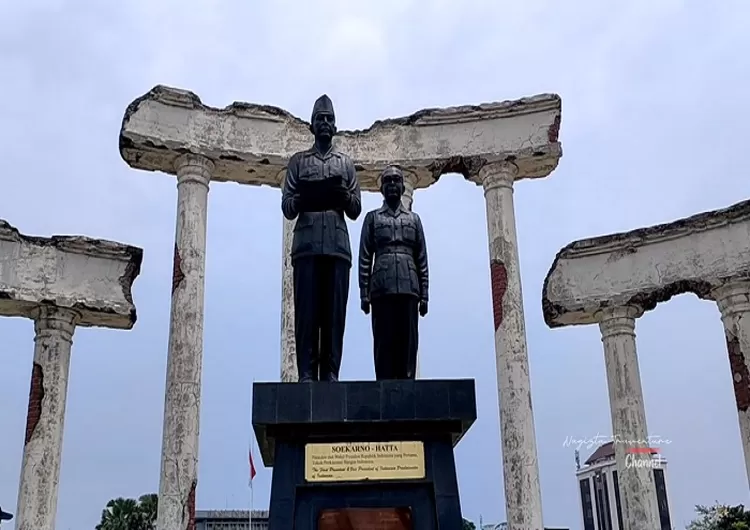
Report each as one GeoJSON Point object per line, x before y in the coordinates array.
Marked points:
{"type": "Point", "coordinates": [393, 279]}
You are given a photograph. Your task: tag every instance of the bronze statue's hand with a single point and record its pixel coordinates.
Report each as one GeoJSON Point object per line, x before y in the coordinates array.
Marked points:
{"type": "Point", "coordinates": [343, 196]}
{"type": "Point", "coordinates": [422, 307]}
{"type": "Point", "coordinates": [365, 307]}
{"type": "Point", "coordinates": [297, 202]}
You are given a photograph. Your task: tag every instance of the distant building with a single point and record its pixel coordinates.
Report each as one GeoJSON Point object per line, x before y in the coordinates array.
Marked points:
{"type": "Point", "coordinates": [230, 520]}
{"type": "Point", "coordinates": [600, 495]}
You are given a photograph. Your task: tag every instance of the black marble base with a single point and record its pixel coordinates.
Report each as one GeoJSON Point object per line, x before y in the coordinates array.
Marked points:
{"type": "Point", "coordinates": [287, 416]}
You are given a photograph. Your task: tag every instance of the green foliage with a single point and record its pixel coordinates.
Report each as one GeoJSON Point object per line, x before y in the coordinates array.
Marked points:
{"type": "Point", "coordinates": [721, 517]}
{"type": "Point", "coordinates": [468, 525]}
{"type": "Point", "coordinates": [129, 514]}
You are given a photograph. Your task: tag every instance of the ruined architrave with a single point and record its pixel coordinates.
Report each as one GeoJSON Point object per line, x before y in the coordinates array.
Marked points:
{"type": "Point", "coordinates": [60, 282]}
{"type": "Point", "coordinates": [611, 280]}
{"type": "Point", "coordinates": [251, 144]}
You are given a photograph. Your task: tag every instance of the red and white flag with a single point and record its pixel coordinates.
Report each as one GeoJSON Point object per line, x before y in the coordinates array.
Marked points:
{"type": "Point", "coordinates": [252, 465]}
{"type": "Point", "coordinates": [252, 476]}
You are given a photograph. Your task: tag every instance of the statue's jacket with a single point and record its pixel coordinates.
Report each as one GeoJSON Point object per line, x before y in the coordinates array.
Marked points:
{"type": "Point", "coordinates": [321, 233]}
{"type": "Point", "coordinates": [392, 255]}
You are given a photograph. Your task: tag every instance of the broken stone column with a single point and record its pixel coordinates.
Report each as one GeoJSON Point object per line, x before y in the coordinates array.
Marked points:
{"type": "Point", "coordinates": [523, 497]}
{"type": "Point", "coordinates": [179, 459]}
{"type": "Point", "coordinates": [42, 452]}
{"type": "Point", "coordinates": [636, 482]}
{"type": "Point", "coordinates": [733, 300]}
{"type": "Point", "coordinates": [60, 282]}
{"type": "Point", "coordinates": [610, 280]}
{"type": "Point", "coordinates": [288, 343]}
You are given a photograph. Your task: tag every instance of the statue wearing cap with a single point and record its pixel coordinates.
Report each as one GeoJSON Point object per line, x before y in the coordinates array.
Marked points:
{"type": "Point", "coordinates": [321, 187]}
{"type": "Point", "coordinates": [393, 279]}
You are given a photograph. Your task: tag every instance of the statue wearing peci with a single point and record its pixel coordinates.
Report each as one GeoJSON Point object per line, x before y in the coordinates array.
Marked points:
{"type": "Point", "coordinates": [321, 187]}
{"type": "Point", "coordinates": [393, 279]}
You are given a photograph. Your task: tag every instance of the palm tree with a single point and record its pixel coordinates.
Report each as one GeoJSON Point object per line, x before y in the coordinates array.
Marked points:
{"type": "Point", "coordinates": [147, 505]}
{"type": "Point", "coordinates": [120, 514]}
{"type": "Point", "coordinates": [129, 514]}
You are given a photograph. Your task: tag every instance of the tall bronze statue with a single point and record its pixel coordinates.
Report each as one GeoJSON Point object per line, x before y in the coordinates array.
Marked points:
{"type": "Point", "coordinates": [321, 186]}
{"type": "Point", "coordinates": [393, 279]}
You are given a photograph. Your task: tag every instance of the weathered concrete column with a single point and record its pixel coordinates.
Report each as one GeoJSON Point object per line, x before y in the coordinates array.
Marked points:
{"type": "Point", "coordinates": [733, 300]}
{"type": "Point", "coordinates": [523, 498]}
{"type": "Point", "coordinates": [407, 199]}
{"type": "Point", "coordinates": [288, 344]}
{"type": "Point", "coordinates": [637, 489]}
{"type": "Point", "coordinates": [42, 452]}
{"type": "Point", "coordinates": [179, 460]}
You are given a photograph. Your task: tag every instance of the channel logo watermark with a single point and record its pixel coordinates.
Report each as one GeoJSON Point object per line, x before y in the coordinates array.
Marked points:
{"type": "Point", "coordinates": [638, 453]}
{"type": "Point", "coordinates": [644, 457]}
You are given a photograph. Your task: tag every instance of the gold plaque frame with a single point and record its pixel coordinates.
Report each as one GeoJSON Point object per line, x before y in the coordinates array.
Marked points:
{"type": "Point", "coordinates": [358, 461]}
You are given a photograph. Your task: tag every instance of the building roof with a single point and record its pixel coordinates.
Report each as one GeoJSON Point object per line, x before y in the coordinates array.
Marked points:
{"type": "Point", "coordinates": [603, 452]}
{"type": "Point", "coordinates": [242, 515]}
{"type": "Point", "coordinates": [606, 452]}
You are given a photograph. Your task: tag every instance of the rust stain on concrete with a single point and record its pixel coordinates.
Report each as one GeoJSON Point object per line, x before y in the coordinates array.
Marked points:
{"type": "Point", "coordinates": [740, 374]}
{"type": "Point", "coordinates": [177, 274]}
{"type": "Point", "coordinates": [499, 277]}
{"type": "Point", "coordinates": [36, 396]}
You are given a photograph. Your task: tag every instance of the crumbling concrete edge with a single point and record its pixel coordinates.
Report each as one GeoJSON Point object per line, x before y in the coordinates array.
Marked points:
{"type": "Point", "coordinates": [630, 241]}
{"type": "Point", "coordinates": [100, 248]}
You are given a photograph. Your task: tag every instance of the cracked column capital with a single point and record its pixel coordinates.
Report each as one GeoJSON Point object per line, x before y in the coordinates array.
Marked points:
{"type": "Point", "coordinates": [194, 168]}
{"type": "Point", "coordinates": [498, 175]}
{"type": "Point", "coordinates": [618, 320]}
{"type": "Point", "coordinates": [410, 182]}
{"type": "Point", "coordinates": [53, 320]}
{"type": "Point", "coordinates": [732, 298]}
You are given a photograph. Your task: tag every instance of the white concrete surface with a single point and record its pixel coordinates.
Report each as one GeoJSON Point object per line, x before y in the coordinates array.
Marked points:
{"type": "Point", "coordinates": [523, 497]}
{"type": "Point", "coordinates": [92, 276]}
{"type": "Point", "coordinates": [251, 143]}
{"type": "Point", "coordinates": [733, 300]}
{"type": "Point", "coordinates": [647, 266]}
{"type": "Point", "coordinates": [640, 510]}
{"type": "Point", "coordinates": [42, 451]}
{"type": "Point", "coordinates": [181, 433]}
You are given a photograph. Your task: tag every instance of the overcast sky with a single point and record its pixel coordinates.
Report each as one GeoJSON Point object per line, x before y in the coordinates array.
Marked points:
{"type": "Point", "coordinates": [654, 128]}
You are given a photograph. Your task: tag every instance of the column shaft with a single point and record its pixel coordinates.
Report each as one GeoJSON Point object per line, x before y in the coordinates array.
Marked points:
{"type": "Point", "coordinates": [407, 199]}
{"type": "Point", "coordinates": [288, 345]}
{"type": "Point", "coordinates": [637, 488]}
{"type": "Point", "coordinates": [523, 498]}
{"type": "Point", "coordinates": [410, 182]}
{"type": "Point", "coordinates": [42, 452]}
{"type": "Point", "coordinates": [179, 460]}
{"type": "Point", "coordinates": [734, 303]}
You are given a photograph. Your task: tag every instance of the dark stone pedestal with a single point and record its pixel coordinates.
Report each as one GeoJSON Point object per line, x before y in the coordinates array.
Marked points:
{"type": "Point", "coordinates": [288, 416]}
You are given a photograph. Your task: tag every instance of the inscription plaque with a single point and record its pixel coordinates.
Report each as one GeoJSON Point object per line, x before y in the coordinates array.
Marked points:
{"type": "Point", "coordinates": [365, 519]}
{"type": "Point", "coordinates": [339, 462]}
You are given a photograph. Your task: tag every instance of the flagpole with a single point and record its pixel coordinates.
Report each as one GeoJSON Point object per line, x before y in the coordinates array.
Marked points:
{"type": "Point", "coordinates": [250, 483]}
{"type": "Point", "coordinates": [252, 474]}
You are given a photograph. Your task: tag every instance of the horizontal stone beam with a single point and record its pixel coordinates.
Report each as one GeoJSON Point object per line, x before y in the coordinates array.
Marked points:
{"type": "Point", "coordinates": [92, 276]}
{"type": "Point", "coordinates": [251, 144]}
{"type": "Point", "coordinates": [648, 265]}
